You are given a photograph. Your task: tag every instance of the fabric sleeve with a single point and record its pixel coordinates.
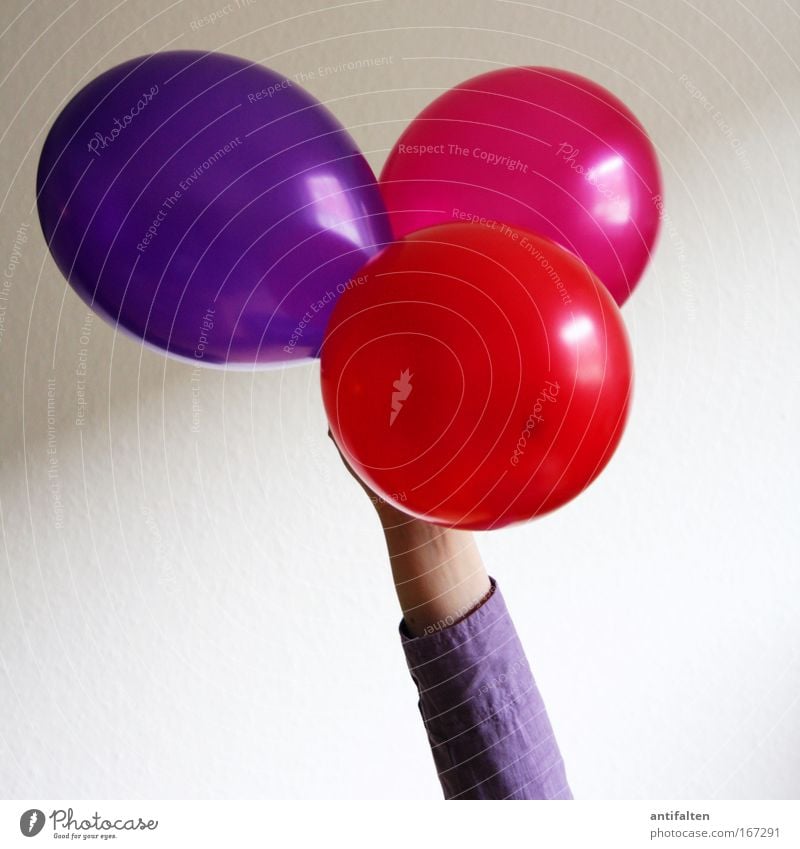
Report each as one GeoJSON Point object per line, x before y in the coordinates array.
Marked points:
{"type": "Point", "coordinates": [485, 719]}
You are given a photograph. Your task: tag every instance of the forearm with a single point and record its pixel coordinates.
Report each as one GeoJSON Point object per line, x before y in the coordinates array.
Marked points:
{"type": "Point", "coordinates": [438, 573]}
{"type": "Point", "coordinates": [485, 719]}
{"type": "Point", "coordinates": [486, 722]}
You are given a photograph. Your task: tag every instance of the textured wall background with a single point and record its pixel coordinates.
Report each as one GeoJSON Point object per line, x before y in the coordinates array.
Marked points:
{"type": "Point", "coordinates": [210, 614]}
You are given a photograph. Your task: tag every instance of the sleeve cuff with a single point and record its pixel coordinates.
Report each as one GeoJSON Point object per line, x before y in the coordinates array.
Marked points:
{"type": "Point", "coordinates": [486, 723]}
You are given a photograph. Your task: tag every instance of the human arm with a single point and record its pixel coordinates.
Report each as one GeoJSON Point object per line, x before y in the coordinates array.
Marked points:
{"type": "Point", "coordinates": [484, 717]}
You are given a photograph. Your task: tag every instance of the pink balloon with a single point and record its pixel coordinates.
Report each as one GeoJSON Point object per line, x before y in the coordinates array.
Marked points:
{"type": "Point", "coordinates": [541, 149]}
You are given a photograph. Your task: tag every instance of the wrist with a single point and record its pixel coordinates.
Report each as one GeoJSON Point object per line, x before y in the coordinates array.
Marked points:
{"type": "Point", "coordinates": [438, 573]}
{"type": "Point", "coordinates": [458, 614]}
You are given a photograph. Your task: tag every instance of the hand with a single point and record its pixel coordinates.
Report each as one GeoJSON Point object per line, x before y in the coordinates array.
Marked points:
{"type": "Point", "coordinates": [385, 509]}
{"type": "Point", "coordinates": [438, 573]}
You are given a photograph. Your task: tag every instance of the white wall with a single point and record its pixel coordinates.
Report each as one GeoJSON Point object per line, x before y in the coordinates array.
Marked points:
{"type": "Point", "coordinates": [215, 618]}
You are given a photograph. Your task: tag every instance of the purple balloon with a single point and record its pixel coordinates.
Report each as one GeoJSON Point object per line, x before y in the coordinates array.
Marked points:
{"type": "Point", "coordinates": [209, 206]}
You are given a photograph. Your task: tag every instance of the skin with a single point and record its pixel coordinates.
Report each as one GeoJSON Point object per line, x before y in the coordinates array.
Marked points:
{"type": "Point", "coordinates": [438, 573]}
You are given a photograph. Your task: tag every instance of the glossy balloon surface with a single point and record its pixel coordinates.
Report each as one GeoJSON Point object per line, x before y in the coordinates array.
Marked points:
{"type": "Point", "coordinates": [476, 376]}
{"type": "Point", "coordinates": [207, 205]}
{"type": "Point", "coordinates": [541, 149]}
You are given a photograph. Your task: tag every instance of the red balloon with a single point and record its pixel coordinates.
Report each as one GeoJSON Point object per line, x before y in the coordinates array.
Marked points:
{"type": "Point", "coordinates": [539, 148]}
{"type": "Point", "coordinates": [475, 375]}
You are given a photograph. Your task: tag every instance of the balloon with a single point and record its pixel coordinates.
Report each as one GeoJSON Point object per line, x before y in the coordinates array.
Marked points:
{"type": "Point", "coordinates": [208, 205]}
{"type": "Point", "coordinates": [475, 375]}
{"type": "Point", "coordinates": [541, 149]}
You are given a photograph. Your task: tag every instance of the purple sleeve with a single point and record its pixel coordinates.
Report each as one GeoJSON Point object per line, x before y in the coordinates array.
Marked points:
{"type": "Point", "coordinates": [486, 722]}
